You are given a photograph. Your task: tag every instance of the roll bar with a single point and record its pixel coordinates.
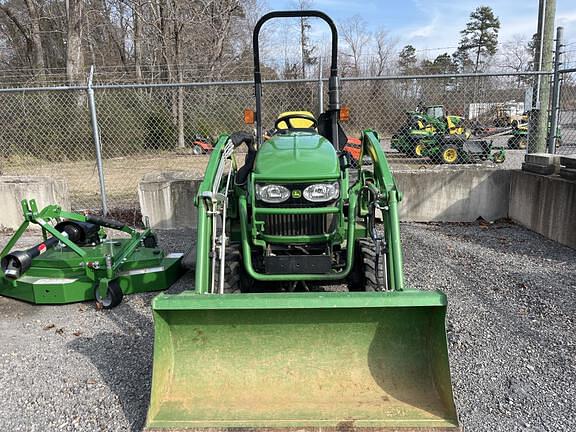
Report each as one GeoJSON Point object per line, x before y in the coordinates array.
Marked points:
{"type": "Point", "coordinates": [333, 84]}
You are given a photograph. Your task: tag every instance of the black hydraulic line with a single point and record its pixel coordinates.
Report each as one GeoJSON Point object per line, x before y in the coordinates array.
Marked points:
{"type": "Point", "coordinates": [105, 222]}
{"type": "Point", "coordinates": [379, 241]}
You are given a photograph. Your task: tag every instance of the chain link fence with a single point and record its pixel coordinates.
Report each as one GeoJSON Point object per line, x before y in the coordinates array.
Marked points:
{"type": "Point", "coordinates": [567, 113]}
{"type": "Point", "coordinates": [148, 128]}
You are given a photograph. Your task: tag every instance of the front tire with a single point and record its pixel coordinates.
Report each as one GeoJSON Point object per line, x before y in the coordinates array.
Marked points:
{"type": "Point", "coordinates": [450, 154]}
{"type": "Point", "coordinates": [517, 143]}
{"type": "Point", "coordinates": [369, 273]}
{"type": "Point", "coordinates": [197, 150]}
{"type": "Point", "coordinates": [235, 278]}
{"type": "Point", "coordinates": [419, 150]}
{"type": "Point", "coordinates": [151, 241]}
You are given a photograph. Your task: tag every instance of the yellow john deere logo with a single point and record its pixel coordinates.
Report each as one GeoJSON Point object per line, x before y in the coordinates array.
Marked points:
{"type": "Point", "coordinates": [296, 194]}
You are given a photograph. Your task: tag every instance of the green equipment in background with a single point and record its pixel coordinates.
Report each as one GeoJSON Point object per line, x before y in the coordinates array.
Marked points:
{"type": "Point", "coordinates": [263, 341]}
{"type": "Point", "coordinates": [429, 132]}
{"type": "Point", "coordinates": [77, 262]}
{"type": "Point", "coordinates": [519, 135]}
{"type": "Point", "coordinates": [423, 125]}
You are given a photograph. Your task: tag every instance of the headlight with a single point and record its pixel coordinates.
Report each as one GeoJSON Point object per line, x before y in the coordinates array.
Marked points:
{"type": "Point", "coordinates": [272, 193]}
{"type": "Point", "coordinates": [322, 192]}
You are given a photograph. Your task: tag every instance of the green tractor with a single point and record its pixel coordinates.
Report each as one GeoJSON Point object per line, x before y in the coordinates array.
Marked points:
{"type": "Point", "coordinates": [428, 132]}
{"type": "Point", "coordinates": [422, 128]}
{"type": "Point", "coordinates": [519, 135]}
{"type": "Point", "coordinates": [263, 340]}
{"type": "Point", "coordinates": [413, 135]}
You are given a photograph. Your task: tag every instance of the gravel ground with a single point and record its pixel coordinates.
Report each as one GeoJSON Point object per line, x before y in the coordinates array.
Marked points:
{"type": "Point", "coordinates": [510, 328]}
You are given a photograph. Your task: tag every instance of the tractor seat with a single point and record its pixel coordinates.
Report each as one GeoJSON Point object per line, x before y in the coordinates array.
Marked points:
{"type": "Point", "coordinates": [304, 120]}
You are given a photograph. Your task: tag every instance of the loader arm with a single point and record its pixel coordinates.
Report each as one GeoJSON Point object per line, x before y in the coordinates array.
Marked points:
{"type": "Point", "coordinates": [204, 232]}
{"type": "Point", "coordinates": [389, 197]}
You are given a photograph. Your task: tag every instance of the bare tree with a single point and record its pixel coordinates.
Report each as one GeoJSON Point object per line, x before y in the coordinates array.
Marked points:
{"type": "Point", "coordinates": [137, 37]}
{"type": "Point", "coordinates": [220, 14]}
{"type": "Point", "coordinates": [151, 39]}
{"type": "Point", "coordinates": [38, 66]}
{"type": "Point", "coordinates": [356, 37]}
{"type": "Point", "coordinates": [385, 49]}
{"type": "Point", "coordinates": [74, 53]}
{"type": "Point", "coordinates": [515, 55]}
{"type": "Point", "coordinates": [30, 31]}
{"type": "Point", "coordinates": [306, 49]}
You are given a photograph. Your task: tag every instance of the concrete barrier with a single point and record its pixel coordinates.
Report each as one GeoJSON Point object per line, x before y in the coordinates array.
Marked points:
{"type": "Point", "coordinates": [545, 204]}
{"type": "Point", "coordinates": [45, 190]}
{"type": "Point", "coordinates": [441, 195]}
{"type": "Point", "coordinates": [454, 195]}
{"type": "Point", "coordinates": [167, 198]}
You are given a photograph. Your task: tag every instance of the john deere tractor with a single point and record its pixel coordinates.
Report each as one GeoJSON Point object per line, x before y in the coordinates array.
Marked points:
{"type": "Point", "coordinates": [429, 132]}
{"type": "Point", "coordinates": [299, 318]}
{"type": "Point", "coordinates": [423, 126]}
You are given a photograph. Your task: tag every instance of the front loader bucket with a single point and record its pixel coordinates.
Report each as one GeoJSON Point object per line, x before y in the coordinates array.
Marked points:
{"type": "Point", "coordinates": [301, 360]}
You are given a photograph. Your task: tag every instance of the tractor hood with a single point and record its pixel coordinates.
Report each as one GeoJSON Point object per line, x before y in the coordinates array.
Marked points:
{"type": "Point", "coordinates": [297, 156]}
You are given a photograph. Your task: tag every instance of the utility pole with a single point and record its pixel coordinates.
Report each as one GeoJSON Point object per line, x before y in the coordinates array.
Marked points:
{"type": "Point", "coordinates": [555, 109]}
{"type": "Point", "coordinates": [538, 126]}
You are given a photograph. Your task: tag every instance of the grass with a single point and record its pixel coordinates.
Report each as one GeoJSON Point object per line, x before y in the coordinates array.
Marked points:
{"type": "Point", "coordinates": [122, 175]}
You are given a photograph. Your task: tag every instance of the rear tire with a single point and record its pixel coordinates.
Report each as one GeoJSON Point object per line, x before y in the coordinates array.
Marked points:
{"type": "Point", "coordinates": [197, 150]}
{"type": "Point", "coordinates": [366, 275]}
{"type": "Point", "coordinates": [235, 278]}
{"type": "Point", "coordinates": [450, 154]}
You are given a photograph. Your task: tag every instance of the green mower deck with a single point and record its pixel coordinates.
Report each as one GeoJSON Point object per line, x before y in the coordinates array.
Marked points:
{"type": "Point", "coordinates": [58, 276]}
{"type": "Point", "coordinates": [77, 261]}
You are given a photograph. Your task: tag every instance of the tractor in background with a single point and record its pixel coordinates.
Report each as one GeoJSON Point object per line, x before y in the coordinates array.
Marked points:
{"type": "Point", "coordinates": [429, 132]}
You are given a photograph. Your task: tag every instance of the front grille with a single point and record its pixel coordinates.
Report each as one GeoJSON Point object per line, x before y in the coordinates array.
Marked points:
{"type": "Point", "coordinates": [298, 224]}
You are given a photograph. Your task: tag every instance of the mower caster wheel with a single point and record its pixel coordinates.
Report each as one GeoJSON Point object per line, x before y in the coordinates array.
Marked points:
{"type": "Point", "coordinates": [419, 150]}
{"type": "Point", "coordinates": [498, 157]}
{"type": "Point", "coordinates": [113, 297]}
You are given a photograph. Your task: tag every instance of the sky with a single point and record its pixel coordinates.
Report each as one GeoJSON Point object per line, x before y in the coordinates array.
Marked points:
{"type": "Point", "coordinates": [433, 26]}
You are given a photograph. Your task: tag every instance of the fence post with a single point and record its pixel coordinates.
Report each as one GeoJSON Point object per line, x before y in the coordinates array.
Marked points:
{"type": "Point", "coordinates": [96, 138]}
{"type": "Point", "coordinates": [554, 113]}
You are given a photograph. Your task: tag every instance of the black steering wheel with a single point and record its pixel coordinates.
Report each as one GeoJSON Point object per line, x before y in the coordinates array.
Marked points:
{"type": "Point", "coordinates": [287, 120]}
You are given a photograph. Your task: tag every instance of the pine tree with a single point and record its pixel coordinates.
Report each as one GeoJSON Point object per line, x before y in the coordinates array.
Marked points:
{"type": "Point", "coordinates": [531, 49]}
{"type": "Point", "coordinates": [407, 60]}
{"type": "Point", "coordinates": [479, 37]}
{"type": "Point", "coordinates": [443, 64]}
